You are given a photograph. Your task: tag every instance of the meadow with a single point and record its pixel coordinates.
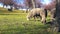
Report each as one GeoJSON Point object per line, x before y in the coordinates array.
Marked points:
{"type": "Point", "coordinates": [15, 23]}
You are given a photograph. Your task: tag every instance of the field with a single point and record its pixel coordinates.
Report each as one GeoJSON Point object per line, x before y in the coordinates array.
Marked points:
{"type": "Point", "coordinates": [15, 23]}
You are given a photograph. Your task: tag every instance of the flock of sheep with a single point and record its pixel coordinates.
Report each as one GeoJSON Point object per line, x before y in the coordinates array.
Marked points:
{"type": "Point", "coordinates": [41, 13]}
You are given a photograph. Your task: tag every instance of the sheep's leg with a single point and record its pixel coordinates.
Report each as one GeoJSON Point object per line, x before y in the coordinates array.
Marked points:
{"type": "Point", "coordinates": [43, 17]}
{"type": "Point", "coordinates": [34, 18]}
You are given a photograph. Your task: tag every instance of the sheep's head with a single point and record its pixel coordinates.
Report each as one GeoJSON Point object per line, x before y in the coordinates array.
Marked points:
{"type": "Point", "coordinates": [30, 15]}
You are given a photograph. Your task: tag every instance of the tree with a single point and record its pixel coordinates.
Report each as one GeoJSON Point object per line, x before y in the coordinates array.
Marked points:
{"type": "Point", "coordinates": [38, 4]}
{"type": "Point", "coordinates": [8, 2]}
{"type": "Point", "coordinates": [55, 24]}
{"type": "Point", "coordinates": [58, 13]}
{"type": "Point", "coordinates": [28, 3]}
{"type": "Point", "coordinates": [33, 3]}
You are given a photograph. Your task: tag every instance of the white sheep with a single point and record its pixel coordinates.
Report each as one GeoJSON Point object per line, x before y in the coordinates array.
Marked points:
{"type": "Point", "coordinates": [37, 12]}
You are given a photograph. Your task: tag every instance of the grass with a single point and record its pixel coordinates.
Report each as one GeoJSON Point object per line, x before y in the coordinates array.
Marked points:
{"type": "Point", "coordinates": [15, 23]}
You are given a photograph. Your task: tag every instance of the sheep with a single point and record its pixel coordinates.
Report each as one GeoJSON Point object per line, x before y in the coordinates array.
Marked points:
{"type": "Point", "coordinates": [37, 12]}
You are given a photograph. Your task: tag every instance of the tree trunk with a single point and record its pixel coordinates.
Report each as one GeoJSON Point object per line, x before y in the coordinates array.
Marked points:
{"type": "Point", "coordinates": [33, 3]}
{"type": "Point", "coordinates": [11, 9]}
{"type": "Point", "coordinates": [55, 24]}
{"type": "Point", "coordinates": [3, 6]}
{"type": "Point", "coordinates": [58, 13]}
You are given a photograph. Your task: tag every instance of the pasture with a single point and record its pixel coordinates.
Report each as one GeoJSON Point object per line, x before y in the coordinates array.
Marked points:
{"type": "Point", "coordinates": [15, 23]}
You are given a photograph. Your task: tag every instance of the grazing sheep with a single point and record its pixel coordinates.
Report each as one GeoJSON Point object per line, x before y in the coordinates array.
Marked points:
{"type": "Point", "coordinates": [37, 12]}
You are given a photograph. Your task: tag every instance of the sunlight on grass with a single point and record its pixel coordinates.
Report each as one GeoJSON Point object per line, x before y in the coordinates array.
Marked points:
{"type": "Point", "coordinates": [18, 24]}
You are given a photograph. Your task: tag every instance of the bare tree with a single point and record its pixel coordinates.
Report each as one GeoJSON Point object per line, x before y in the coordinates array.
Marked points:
{"type": "Point", "coordinates": [33, 3]}
{"type": "Point", "coordinates": [8, 2]}
{"type": "Point", "coordinates": [28, 3]}
{"type": "Point", "coordinates": [58, 13]}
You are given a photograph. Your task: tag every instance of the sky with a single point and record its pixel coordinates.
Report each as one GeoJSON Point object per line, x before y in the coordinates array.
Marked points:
{"type": "Point", "coordinates": [46, 1]}
{"type": "Point", "coordinates": [22, 1]}
{"type": "Point", "coordinates": [18, 2]}
{"type": "Point", "coordinates": [1, 5]}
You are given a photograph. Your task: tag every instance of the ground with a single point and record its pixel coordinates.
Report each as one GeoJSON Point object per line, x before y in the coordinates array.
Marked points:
{"type": "Point", "coordinates": [15, 23]}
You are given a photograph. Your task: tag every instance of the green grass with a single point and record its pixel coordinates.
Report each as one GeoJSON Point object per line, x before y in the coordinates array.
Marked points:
{"type": "Point", "coordinates": [15, 23]}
